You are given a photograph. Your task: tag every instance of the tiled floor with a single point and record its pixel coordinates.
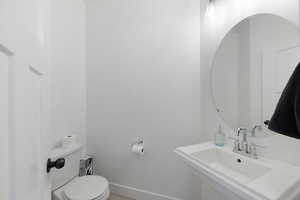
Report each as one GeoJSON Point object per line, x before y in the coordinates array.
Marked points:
{"type": "Point", "coordinates": [115, 197]}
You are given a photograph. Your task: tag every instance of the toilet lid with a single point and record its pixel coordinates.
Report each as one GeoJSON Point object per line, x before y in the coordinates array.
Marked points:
{"type": "Point", "coordinates": [86, 188]}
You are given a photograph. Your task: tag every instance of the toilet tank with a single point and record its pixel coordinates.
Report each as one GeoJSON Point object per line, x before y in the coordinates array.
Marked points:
{"type": "Point", "coordinates": [72, 155]}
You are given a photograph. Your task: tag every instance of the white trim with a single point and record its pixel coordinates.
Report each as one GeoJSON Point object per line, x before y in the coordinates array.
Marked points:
{"type": "Point", "coordinates": [5, 50]}
{"type": "Point", "coordinates": [288, 48]}
{"type": "Point", "coordinates": [137, 194]}
{"type": "Point", "coordinates": [35, 71]}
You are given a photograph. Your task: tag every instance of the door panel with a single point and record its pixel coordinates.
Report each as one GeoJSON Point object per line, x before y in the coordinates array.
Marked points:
{"type": "Point", "coordinates": [23, 158]}
{"type": "Point", "coordinates": [287, 60]}
{"type": "Point", "coordinates": [29, 167]}
{"type": "Point", "coordinates": [4, 126]}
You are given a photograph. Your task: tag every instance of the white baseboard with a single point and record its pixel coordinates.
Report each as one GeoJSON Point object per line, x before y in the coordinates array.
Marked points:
{"type": "Point", "coordinates": [137, 194]}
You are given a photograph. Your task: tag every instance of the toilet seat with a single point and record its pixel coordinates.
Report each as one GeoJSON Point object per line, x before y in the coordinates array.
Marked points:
{"type": "Point", "coordinates": [87, 188]}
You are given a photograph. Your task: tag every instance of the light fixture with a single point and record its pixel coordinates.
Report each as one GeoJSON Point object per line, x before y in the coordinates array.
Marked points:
{"type": "Point", "coordinates": [210, 10]}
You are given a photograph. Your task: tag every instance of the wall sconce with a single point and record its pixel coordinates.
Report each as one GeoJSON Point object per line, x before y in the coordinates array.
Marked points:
{"type": "Point", "coordinates": [210, 10]}
{"type": "Point", "coordinates": [215, 14]}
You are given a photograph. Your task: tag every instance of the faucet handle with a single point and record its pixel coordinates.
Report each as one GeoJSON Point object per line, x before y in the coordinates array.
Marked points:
{"type": "Point", "coordinates": [240, 129]}
{"type": "Point", "coordinates": [253, 129]}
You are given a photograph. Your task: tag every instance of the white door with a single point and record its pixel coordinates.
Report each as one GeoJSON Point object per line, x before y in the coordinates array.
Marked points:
{"type": "Point", "coordinates": [22, 144]}
{"type": "Point", "coordinates": [30, 167]}
{"type": "Point", "coordinates": [4, 124]}
{"type": "Point", "coordinates": [278, 66]}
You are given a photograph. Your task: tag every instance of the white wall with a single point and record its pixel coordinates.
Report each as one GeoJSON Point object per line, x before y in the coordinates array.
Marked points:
{"type": "Point", "coordinates": [67, 60]}
{"type": "Point", "coordinates": [143, 81]}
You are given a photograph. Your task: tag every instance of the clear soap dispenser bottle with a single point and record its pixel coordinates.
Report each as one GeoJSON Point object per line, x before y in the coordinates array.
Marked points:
{"type": "Point", "coordinates": [220, 137]}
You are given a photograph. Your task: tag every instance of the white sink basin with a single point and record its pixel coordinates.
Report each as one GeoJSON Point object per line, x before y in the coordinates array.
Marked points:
{"type": "Point", "coordinates": [232, 165]}
{"type": "Point", "coordinates": [248, 178]}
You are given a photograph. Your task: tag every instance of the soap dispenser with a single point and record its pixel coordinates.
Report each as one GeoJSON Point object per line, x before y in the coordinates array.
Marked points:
{"type": "Point", "coordinates": [220, 137]}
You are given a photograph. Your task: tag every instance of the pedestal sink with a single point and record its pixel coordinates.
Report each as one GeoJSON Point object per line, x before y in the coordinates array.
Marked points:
{"type": "Point", "coordinates": [233, 166]}
{"type": "Point", "coordinates": [260, 179]}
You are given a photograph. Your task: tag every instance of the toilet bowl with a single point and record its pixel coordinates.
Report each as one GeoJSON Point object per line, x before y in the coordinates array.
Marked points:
{"type": "Point", "coordinates": [66, 185]}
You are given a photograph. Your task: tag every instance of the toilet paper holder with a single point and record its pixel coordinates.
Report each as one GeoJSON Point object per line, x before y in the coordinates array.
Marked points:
{"type": "Point", "coordinates": [138, 147]}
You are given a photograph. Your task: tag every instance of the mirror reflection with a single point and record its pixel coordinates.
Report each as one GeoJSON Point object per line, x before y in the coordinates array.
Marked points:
{"type": "Point", "coordinates": [251, 68]}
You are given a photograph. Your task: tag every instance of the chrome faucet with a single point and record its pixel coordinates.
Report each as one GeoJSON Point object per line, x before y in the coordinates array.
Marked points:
{"type": "Point", "coordinates": [237, 143]}
{"type": "Point", "coordinates": [243, 147]}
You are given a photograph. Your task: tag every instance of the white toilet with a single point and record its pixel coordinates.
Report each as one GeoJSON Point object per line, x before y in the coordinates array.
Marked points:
{"type": "Point", "coordinates": [66, 185]}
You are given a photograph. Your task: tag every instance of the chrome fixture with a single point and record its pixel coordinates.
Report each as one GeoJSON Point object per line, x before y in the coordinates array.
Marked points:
{"type": "Point", "coordinates": [253, 130]}
{"type": "Point", "coordinates": [237, 143]}
{"type": "Point", "coordinates": [243, 147]}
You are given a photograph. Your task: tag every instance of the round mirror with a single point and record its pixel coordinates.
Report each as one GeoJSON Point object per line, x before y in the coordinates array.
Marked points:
{"type": "Point", "coordinates": [251, 68]}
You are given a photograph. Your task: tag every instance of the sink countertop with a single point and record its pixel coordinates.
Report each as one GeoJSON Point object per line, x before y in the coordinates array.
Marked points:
{"type": "Point", "coordinates": [282, 182]}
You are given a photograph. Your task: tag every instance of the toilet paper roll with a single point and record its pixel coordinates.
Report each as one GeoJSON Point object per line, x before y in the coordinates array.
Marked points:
{"type": "Point", "coordinates": [69, 140]}
{"type": "Point", "coordinates": [138, 149]}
